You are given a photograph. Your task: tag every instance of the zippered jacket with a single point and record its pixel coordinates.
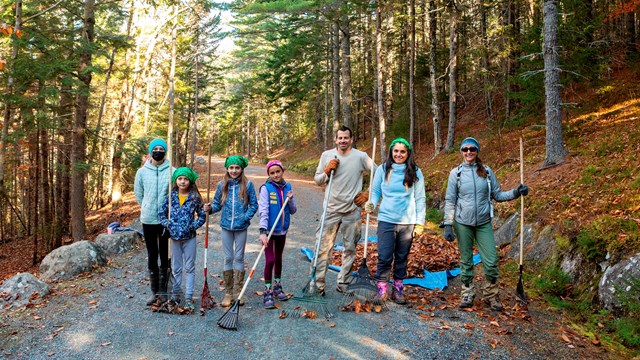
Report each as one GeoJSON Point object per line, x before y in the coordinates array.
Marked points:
{"type": "Point", "coordinates": [182, 223]}
{"type": "Point", "coordinates": [272, 196]}
{"type": "Point", "coordinates": [236, 214]}
{"type": "Point", "coordinates": [400, 204]}
{"type": "Point", "coordinates": [150, 187]}
{"type": "Point", "coordinates": [467, 200]}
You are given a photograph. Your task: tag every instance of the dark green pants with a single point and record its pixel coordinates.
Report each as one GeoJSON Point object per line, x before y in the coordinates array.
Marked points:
{"type": "Point", "coordinates": [483, 237]}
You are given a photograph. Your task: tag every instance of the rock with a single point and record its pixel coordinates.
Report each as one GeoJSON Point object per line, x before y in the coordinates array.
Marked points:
{"type": "Point", "coordinates": [21, 290]}
{"type": "Point", "coordinates": [580, 269]}
{"type": "Point", "coordinates": [544, 247]}
{"type": "Point", "coordinates": [200, 160]}
{"type": "Point", "coordinates": [616, 278]}
{"type": "Point", "coordinates": [68, 261]}
{"type": "Point", "coordinates": [117, 243]}
{"type": "Point", "coordinates": [507, 231]}
{"type": "Point", "coordinates": [136, 225]}
{"type": "Point", "coordinates": [514, 250]}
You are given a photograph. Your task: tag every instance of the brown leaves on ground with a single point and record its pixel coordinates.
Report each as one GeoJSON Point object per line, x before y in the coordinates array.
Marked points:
{"type": "Point", "coordinates": [171, 307]}
{"type": "Point", "coordinates": [428, 252]}
{"type": "Point", "coordinates": [357, 306]}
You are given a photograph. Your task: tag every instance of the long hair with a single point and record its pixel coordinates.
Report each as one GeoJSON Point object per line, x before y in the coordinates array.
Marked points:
{"type": "Point", "coordinates": [410, 173]}
{"type": "Point", "coordinates": [243, 187]}
{"type": "Point", "coordinates": [481, 170]}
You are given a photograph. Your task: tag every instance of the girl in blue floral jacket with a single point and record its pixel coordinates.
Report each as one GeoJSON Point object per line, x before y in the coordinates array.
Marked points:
{"type": "Point", "coordinates": [186, 202]}
{"type": "Point", "coordinates": [236, 197]}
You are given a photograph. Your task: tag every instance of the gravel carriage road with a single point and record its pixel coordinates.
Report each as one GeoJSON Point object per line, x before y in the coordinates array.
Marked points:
{"type": "Point", "coordinates": [102, 316]}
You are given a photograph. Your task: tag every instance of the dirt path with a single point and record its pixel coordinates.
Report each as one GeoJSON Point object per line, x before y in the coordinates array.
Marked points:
{"type": "Point", "coordinates": [102, 316]}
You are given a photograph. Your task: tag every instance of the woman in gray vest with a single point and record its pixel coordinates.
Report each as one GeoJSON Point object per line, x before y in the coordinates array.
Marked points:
{"type": "Point", "coordinates": [469, 208]}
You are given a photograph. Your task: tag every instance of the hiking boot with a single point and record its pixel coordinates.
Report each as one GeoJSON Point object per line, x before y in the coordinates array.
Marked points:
{"type": "Point", "coordinates": [467, 296]}
{"type": "Point", "coordinates": [320, 286]}
{"type": "Point", "coordinates": [238, 282]}
{"type": "Point", "coordinates": [154, 281]}
{"type": "Point", "coordinates": [490, 295]}
{"type": "Point", "coordinates": [343, 288]}
{"type": "Point", "coordinates": [383, 290]}
{"type": "Point", "coordinates": [227, 275]}
{"type": "Point", "coordinates": [267, 301]}
{"type": "Point", "coordinates": [278, 293]}
{"type": "Point", "coordinates": [397, 292]}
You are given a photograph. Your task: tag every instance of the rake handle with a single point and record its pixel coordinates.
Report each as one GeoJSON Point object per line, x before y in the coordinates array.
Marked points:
{"type": "Point", "coordinates": [366, 224]}
{"type": "Point", "coordinates": [521, 203]}
{"type": "Point", "coordinates": [255, 264]}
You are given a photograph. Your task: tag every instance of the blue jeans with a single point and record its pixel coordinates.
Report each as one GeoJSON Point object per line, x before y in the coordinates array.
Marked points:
{"type": "Point", "coordinates": [394, 244]}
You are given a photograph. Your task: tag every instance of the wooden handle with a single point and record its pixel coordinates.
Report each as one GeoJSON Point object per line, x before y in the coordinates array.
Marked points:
{"type": "Point", "coordinates": [521, 201]}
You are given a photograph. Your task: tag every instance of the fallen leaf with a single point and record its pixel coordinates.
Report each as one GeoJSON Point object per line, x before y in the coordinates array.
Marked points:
{"type": "Point", "coordinates": [468, 326]}
{"type": "Point", "coordinates": [283, 314]}
{"type": "Point", "coordinates": [106, 344]}
{"type": "Point", "coordinates": [565, 338]}
{"type": "Point", "coordinates": [93, 302]}
{"type": "Point", "coordinates": [494, 323]}
{"type": "Point", "coordinates": [171, 333]}
{"type": "Point", "coordinates": [259, 293]}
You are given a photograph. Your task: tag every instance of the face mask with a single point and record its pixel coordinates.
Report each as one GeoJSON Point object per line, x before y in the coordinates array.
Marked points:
{"type": "Point", "coordinates": [157, 155]}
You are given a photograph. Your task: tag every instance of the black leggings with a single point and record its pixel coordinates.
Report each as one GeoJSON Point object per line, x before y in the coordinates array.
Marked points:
{"type": "Point", "coordinates": [156, 243]}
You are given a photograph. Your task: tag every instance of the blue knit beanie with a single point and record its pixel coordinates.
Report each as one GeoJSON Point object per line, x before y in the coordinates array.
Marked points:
{"type": "Point", "coordinates": [470, 141]}
{"type": "Point", "coordinates": [157, 142]}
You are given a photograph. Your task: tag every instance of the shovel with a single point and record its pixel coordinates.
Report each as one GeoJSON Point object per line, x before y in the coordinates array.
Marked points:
{"type": "Point", "coordinates": [522, 297]}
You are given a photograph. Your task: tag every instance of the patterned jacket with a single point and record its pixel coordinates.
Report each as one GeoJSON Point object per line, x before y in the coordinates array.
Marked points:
{"type": "Point", "coordinates": [182, 225]}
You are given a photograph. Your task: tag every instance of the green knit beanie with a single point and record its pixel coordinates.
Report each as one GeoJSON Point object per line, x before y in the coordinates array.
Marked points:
{"type": "Point", "coordinates": [236, 160]}
{"type": "Point", "coordinates": [184, 171]}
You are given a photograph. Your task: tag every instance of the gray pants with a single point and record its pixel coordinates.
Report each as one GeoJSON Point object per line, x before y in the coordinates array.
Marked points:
{"type": "Point", "coordinates": [183, 252]}
{"type": "Point", "coordinates": [233, 243]}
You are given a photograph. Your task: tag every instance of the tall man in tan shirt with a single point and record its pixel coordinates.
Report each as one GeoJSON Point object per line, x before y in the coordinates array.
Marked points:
{"type": "Point", "coordinates": [343, 215]}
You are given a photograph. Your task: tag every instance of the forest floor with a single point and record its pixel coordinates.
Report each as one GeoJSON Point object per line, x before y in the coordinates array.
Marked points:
{"type": "Point", "coordinates": [102, 315]}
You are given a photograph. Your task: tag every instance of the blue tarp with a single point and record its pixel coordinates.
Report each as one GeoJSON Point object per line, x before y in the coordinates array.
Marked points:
{"type": "Point", "coordinates": [431, 280]}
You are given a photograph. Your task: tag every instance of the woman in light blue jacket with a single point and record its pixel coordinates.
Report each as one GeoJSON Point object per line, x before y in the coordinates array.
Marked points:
{"type": "Point", "coordinates": [400, 184]}
{"type": "Point", "coordinates": [236, 197]}
{"type": "Point", "coordinates": [468, 207]}
{"type": "Point", "coordinates": [150, 187]}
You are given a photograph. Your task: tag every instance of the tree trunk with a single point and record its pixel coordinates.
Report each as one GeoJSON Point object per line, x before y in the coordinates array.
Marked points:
{"type": "Point", "coordinates": [555, 151]}
{"type": "Point", "coordinates": [435, 98]}
{"type": "Point", "coordinates": [453, 74]}
{"type": "Point", "coordinates": [194, 130]}
{"type": "Point", "coordinates": [486, 78]}
{"type": "Point", "coordinates": [345, 69]}
{"type": "Point", "coordinates": [412, 56]}
{"type": "Point", "coordinates": [380, 81]}
{"type": "Point", "coordinates": [78, 161]}
{"type": "Point", "coordinates": [335, 79]}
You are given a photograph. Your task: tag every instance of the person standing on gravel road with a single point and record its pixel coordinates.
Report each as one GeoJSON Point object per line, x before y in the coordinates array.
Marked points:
{"type": "Point", "coordinates": [469, 208]}
{"type": "Point", "coordinates": [236, 197]}
{"type": "Point", "coordinates": [400, 185]}
{"type": "Point", "coordinates": [150, 187]}
{"type": "Point", "coordinates": [348, 166]}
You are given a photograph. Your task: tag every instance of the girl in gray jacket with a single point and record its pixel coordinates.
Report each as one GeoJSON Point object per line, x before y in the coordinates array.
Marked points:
{"type": "Point", "coordinates": [469, 207]}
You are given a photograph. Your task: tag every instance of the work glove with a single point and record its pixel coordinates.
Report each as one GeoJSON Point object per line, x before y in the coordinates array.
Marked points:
{"type": "Point", "coordinates": [523, 190]}
{"type": "Point", "coordinates": [331, 166]}
{"type": "Point", "coordinates": [418, 229]}
{"type": "Point", "coordinates": [361, 198]}
{"type": "Point", "coordinates": [369, 207]}
{"type": "Point", "coordinates": [448, 233]}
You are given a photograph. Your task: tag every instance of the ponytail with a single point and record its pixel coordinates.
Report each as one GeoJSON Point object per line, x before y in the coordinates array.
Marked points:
{"type": "Point", "coordinates": [481, 171]}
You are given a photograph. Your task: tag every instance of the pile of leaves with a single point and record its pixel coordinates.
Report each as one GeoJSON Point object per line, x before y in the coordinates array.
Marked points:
{"type": "Point", "coordinates": [428, 252]}
{"type": "Point", "coordinates": [171, 307]}
{"type": "Point", "coordinates": [357, 306]}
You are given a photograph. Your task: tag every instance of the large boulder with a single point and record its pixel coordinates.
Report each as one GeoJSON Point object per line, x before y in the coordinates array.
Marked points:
{"type": "Point", "coordinates": [118, 242]}
{"type": "Point", "coordinates": [544, 247]}
{"type": "Point", "coordinates": [618, 278]}
{"type": "Point", "coordinates": [136, 225]}
{"type": "Point", "coordinates": [68, 261]}
{"type": "Point", "coordinates": [507, 231]}
{"type": "Point", "coordinates": [21, 290]}
{"type": "Point", "coordinates": [514, 250]}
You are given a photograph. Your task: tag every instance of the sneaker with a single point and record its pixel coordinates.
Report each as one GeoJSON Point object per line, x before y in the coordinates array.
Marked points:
{"type": "Point", "coordinates": [267, 301]}
{"type": "Point", "coordinates": [383, 288]}
{"type": "Point", "coordinates": [189, 305]}
{"type": "Point", "coordinates": [278, 293]}
{"type": "Point", "coordinates": [397, 292]}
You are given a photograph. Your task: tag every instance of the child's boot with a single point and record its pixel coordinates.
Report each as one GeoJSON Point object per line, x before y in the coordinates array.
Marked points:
{"type": "Point", "coordinates": [397, 293]}
{"type": "Point", "coordinates": [267, 301]}
{"type": "Point", "coordinates": [278, 293]}
{"type": "Point", "coordinates": [227, 275]}
{"type": "Point", "coordinates": [165, 275]}
{"type": "Point", "coordinates": [238, 278]}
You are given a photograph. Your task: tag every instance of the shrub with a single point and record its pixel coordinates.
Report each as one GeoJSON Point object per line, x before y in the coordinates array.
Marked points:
{"type": "Point", "coordinates": [554, 281]}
